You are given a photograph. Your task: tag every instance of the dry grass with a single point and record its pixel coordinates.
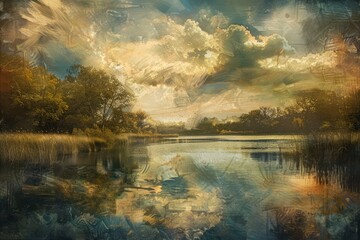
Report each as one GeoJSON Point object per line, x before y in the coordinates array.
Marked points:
{"type": "Point", "coordinates": [43, 148]}
{"type": "Point", "coordinates": [148, 135]}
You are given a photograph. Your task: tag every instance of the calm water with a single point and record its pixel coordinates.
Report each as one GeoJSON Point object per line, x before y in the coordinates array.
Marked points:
{"type": "Point", "coordinates": [252, 187]}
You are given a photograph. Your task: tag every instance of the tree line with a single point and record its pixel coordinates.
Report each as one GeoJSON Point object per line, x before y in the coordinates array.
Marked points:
{"type": "Point", "coordinates": [313, 110]}
{"type": "Point", "coordinates": [33, 99]}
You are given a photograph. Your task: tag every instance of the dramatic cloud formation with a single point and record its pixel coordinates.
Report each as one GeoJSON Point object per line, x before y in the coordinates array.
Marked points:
{"type": "Point", "coordinates": [179, 57]}
{"type": "Point", "coordinates": [150, 51]}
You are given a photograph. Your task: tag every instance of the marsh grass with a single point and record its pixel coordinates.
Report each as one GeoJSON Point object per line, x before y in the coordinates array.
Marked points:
{"type": "Point", "coordinates": [334, 157]}
{"type": "Point", "coordinates": [43, 148]}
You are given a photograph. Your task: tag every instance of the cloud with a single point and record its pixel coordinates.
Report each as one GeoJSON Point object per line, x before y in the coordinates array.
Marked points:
{"type": "Point", "coordinates": [149, 47]}
{"type": "Point", "coordinates": [187, 62]}
{"type": "Point", "coordinates": [182, 58]}
{"type": "Point", "coordinates": [325, 60]}
{"type": "Point", "coordinates": [245, 50]}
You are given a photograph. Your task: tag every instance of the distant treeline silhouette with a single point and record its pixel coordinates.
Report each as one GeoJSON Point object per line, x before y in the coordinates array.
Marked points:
{"type": "Point", "coordinates": [313, 110]}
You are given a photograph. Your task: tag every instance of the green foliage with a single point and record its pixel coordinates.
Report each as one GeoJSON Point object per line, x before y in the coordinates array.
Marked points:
{"type": "Point", "coordinates": [41, 99]}
{"type": "Point", "coordinates": [168, 128]}
{"type": "Point", "coordinates": [207, 125]}
{"type": "Point", "coordinates": [313, 110]}
{"type": "Point", "coordinates": [32, 99]}
{"type": "Point", "coordinates": [319, 109]}
{"type": "Point", "coordinates": [133, 122]}
{"type": "Point", "coordinates": [352, 110]}
{"type": "Point", "coordinates": [96, 100]}
{"type": "Point", "coordinates": [105, 133]}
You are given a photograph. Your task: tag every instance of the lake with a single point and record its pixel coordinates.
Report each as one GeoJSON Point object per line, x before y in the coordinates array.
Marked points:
{"type": "Point", "coordinates": [207, 187]}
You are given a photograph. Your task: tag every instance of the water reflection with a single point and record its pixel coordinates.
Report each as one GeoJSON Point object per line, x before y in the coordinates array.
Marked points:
{"type": "Point", "coordinates": [335, 159]}
{"type": "Point", "coordinates": [202, 189]}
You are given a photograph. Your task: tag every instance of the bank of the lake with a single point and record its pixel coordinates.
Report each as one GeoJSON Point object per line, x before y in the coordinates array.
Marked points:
{"type": "Point", "coordinates": [47, 148]}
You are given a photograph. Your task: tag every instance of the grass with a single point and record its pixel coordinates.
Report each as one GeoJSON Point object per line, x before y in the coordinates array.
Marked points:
{"type": "Point", "coordinates": [44, 148]}
{"type": "Point", "coordinates": [149, 135]}
{"type": "Point", "coordinates": [334, 157]}
{"type": "Point", "coordinates": [18, 148]}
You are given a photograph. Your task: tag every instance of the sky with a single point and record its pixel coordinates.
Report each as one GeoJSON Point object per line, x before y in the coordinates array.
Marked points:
{"type": "Point", "coordinates": [187, 59]}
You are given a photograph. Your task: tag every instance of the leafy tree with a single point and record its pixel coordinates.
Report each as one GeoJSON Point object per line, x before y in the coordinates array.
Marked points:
{"type": "Point", "coordinates": [319, 109]}
{"type": "Point", "coordinates": [352, 110]}
{"type": "Point", "coordinates": [141, 124]}
{"type": "Point", "coordinates": [96, 100]}
{"type": "Point", "coordinates": [14, 73]}
{"type": "Point", "coordinates": [30, 97]}
{"type": "Point", "coordinates": [259, 120]}
{"type": "Point", "coordinates": [313, 110]}
{"type": "Point", "coordinates": [41, 99]}
{"type": "Point", "coordinates": [208, 125]}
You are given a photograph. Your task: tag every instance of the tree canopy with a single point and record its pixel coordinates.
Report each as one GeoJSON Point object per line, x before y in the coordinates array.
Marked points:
{"type": "Point", "coordinates": [32, 99]}
{"type": "Point", "coordinates": [95, 98]}
{"type": "Point", "coordinates": [312, 110]}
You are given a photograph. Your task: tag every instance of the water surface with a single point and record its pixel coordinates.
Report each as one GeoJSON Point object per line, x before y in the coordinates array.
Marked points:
{"type": "Point", "coordinates": [208, 187]}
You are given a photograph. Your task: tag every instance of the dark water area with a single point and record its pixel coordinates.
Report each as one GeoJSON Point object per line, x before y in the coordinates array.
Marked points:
{"type": "Point", "coordinates": [235, 187]}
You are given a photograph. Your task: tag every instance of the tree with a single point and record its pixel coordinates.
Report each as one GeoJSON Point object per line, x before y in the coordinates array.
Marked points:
{"type": "Point", "coordinates": [8, 72]}
{"type": "Point", "coordinates": [352, 110]}
{"type": "Point", "coordinates": [96, 99]}
{"type": "Point", "coordinates": [30, 96]}
{"type": "Point", "coordinates": [41, 99]}
{"type": "Point", "coordinates": [141, 124]}
{"type": "Point", "coordinates": [319, 109]}
{"type": "Point", "coordinates": [208, 125]}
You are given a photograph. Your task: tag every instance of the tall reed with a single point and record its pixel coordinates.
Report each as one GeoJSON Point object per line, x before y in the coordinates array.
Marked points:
{"type": "Point", "coordinates": [334, 157]}
{"type": "Point", "coordinates": [43, 148]}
